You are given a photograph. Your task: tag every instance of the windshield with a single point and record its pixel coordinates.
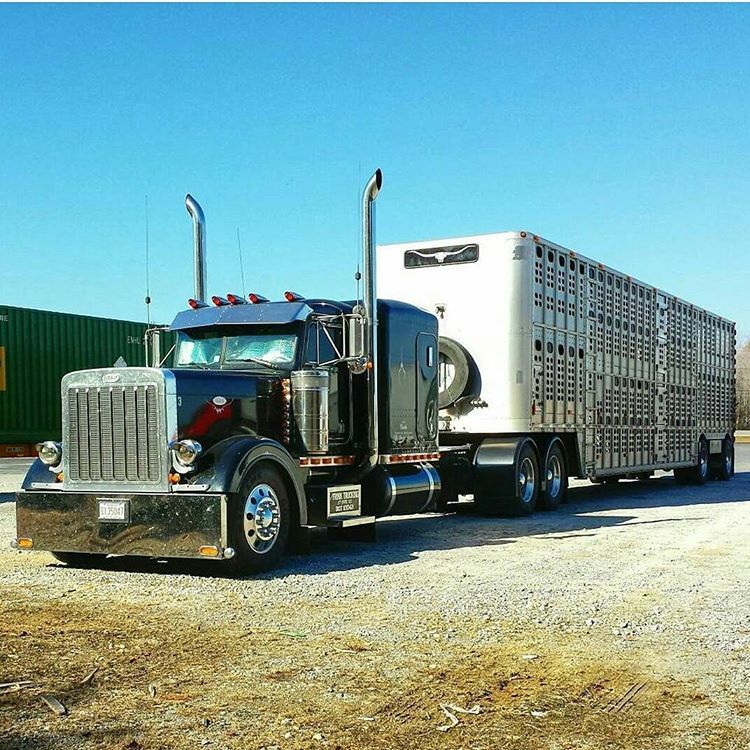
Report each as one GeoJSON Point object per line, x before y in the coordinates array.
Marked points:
{"type": "Point", "coordinates": [276, 349]}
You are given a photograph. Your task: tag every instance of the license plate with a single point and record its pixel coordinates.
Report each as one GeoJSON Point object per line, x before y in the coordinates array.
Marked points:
{"type": "Point", "coordinates": [344, 500]}
{"type": "Point", "coordinates": [114, 510]}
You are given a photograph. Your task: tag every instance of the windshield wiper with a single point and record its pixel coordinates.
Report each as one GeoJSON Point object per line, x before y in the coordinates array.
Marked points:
{"type": "Point", "coordinates": [201, 365]}
{"type": "Point", "coordinates": [262, 362]}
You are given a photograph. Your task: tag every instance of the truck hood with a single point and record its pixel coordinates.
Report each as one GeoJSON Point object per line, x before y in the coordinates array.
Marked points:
{"type": "Point", "coordinates": [214, 405]}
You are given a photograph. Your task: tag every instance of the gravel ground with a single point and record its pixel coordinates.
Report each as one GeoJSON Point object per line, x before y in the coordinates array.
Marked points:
{"type": "Point", "coordinates": [620, 621]}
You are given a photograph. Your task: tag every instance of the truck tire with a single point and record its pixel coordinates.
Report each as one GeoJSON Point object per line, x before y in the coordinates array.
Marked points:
{"type": "Point", "coordinates": [699, 473]}
{"type": "Point", "coordinates": [555, 477]}
{"type": "Point", "coordinates": [452, 354]}
{"type": "Point", "coordinates": [724, 470]}
{"type": "Point", "coordinates": [527, 483]}
{"type": "Point", "coordinates": [259, 520]}
{"type": "Point", "coordinates": [79, 559]}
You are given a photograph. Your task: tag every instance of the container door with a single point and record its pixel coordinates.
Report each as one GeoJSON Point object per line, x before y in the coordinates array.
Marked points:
{"type": "Point", "coordinates": [427, 389]}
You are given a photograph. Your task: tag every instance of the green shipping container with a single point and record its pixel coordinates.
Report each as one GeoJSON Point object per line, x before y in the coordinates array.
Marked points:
{"type": "Point", "coordinates": [37, 348]}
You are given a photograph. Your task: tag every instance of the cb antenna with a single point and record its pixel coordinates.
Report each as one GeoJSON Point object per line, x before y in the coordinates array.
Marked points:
{"type": "Point", "coordinates": [148, 288]}
{"type": "Point", "coordinates": [242, 268]}
{"type": "Point", "coordinates": [358, 233]}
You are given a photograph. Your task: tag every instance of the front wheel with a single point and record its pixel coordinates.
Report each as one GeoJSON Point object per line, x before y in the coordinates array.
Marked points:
{"type": "Point", "coordinates": [259, 521]}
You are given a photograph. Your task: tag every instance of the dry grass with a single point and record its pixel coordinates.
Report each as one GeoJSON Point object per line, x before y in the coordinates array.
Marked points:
{"type": "Point", "coordinates": [166, 681]}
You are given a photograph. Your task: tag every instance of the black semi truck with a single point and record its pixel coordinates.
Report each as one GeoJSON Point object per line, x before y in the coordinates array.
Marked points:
{"type": "Point", "coordinates": [531, 362]}
{"type": "Point", "coordinates": [276, 417]}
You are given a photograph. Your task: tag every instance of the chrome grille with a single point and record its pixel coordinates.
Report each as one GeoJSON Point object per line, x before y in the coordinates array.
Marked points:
{"type": "Point", "coordinates": [114, 434]}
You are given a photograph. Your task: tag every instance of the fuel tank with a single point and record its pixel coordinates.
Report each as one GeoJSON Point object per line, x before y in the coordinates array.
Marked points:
{"type": "Point", "coordinates": [400, 490]}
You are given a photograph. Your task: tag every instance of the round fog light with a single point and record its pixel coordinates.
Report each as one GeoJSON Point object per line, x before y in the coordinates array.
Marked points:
{"type": "Point", "coordinates": [186, 453]}
{"type": "Point", "coordinates": [50, 452]}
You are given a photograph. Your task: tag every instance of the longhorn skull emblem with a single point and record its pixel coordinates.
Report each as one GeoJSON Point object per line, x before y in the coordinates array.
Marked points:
{"type": "Point", "coordinates": [440, 255]}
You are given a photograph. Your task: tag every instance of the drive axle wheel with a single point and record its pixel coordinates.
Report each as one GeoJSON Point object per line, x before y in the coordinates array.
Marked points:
{"type": "Point", "coordinates": [555, 479]}
{"type": "Point", "coordinates": [259, 521]}
{"type": "Point", "coordinates": [527, 482]}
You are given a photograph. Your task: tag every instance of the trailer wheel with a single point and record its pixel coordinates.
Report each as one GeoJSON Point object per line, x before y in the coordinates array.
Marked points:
{"type": "Point", "coordinates": [555, 478]}
{"type": "Point", "coordinates": [699, 473]}
{"type": "Point", "coordinates": [259, 521]}
{"type": "Point", "coordinates": [79, 559]}
{"type": "Point", "coordinates": [725, 469]}
{"type": "Point", "coordinates": [453, 372]}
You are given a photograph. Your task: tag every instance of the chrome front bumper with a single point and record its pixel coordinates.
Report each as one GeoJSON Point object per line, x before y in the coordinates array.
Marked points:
{"type": "Point", "coordinates": [158, 525]}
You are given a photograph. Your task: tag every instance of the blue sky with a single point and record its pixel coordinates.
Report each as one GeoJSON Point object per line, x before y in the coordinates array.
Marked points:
{"type": "Point", "coordinates": [621, 131]}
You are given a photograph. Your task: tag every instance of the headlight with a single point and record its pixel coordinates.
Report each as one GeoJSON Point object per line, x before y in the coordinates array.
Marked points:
{"type": "Point", "coordinates": [50, 452]}
{"type": "Point", "coordinates": [186, 453]}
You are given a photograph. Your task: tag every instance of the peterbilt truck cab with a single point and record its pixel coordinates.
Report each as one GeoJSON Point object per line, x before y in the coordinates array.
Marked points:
{"type": "Point", "coordinates": [276, 417]}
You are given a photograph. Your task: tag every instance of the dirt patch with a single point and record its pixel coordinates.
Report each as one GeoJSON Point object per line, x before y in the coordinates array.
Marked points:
{"type": "Point", "coordinates": [166, 681]}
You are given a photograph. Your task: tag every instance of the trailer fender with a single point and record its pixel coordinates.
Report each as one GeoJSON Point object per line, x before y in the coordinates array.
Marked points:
{"type": "Point", "coordinates": [232, 458]}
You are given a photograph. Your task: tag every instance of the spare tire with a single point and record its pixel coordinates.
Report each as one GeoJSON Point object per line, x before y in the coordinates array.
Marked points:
{"type": "Point", "coordinates": [453, 372]}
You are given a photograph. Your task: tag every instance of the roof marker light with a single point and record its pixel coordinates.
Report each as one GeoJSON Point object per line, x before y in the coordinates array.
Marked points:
{"type": "Point", "coordinates": [196, 304]}
{"type": "Point", "coordinates": [219, 301]}
{"type": "Point", "coordinates": [293, 297]}
{"type": "Point", "coordinates": [236, 299]}
{"type": "Point", "coordinates": [256, 299]}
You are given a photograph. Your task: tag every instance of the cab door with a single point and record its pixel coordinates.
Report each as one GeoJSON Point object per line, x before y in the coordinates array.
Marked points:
{"type": "Point", "coordinates": [427, 387]}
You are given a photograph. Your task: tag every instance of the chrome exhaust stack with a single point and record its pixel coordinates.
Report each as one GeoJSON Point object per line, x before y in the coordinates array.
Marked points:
{"type": "Point", "coordinates": [371, 312]}
{"type": "Point", "coordinates": [199, 245]}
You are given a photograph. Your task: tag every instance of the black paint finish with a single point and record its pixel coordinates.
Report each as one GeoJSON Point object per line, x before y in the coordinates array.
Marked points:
{"type": "Point", "coordinates": [407, 383]}
{"type": "Point", "coordinates": [213, 405]}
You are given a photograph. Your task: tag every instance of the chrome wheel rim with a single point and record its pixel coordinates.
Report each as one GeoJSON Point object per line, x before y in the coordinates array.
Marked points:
{"type": "Point", "coordinates": [262, 518]}
{"type": "Point", "coordinates": [554, 476]}
{"type": "Point", "coordinates": [526, 480]}
{"type": "Point", "coordinates": [703, 461]}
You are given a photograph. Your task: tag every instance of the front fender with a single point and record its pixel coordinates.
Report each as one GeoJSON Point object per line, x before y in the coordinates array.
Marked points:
{"type": "Point", "coordinates": [39, 473]}
{"type": "Point", "coordinates": [230, 459]}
